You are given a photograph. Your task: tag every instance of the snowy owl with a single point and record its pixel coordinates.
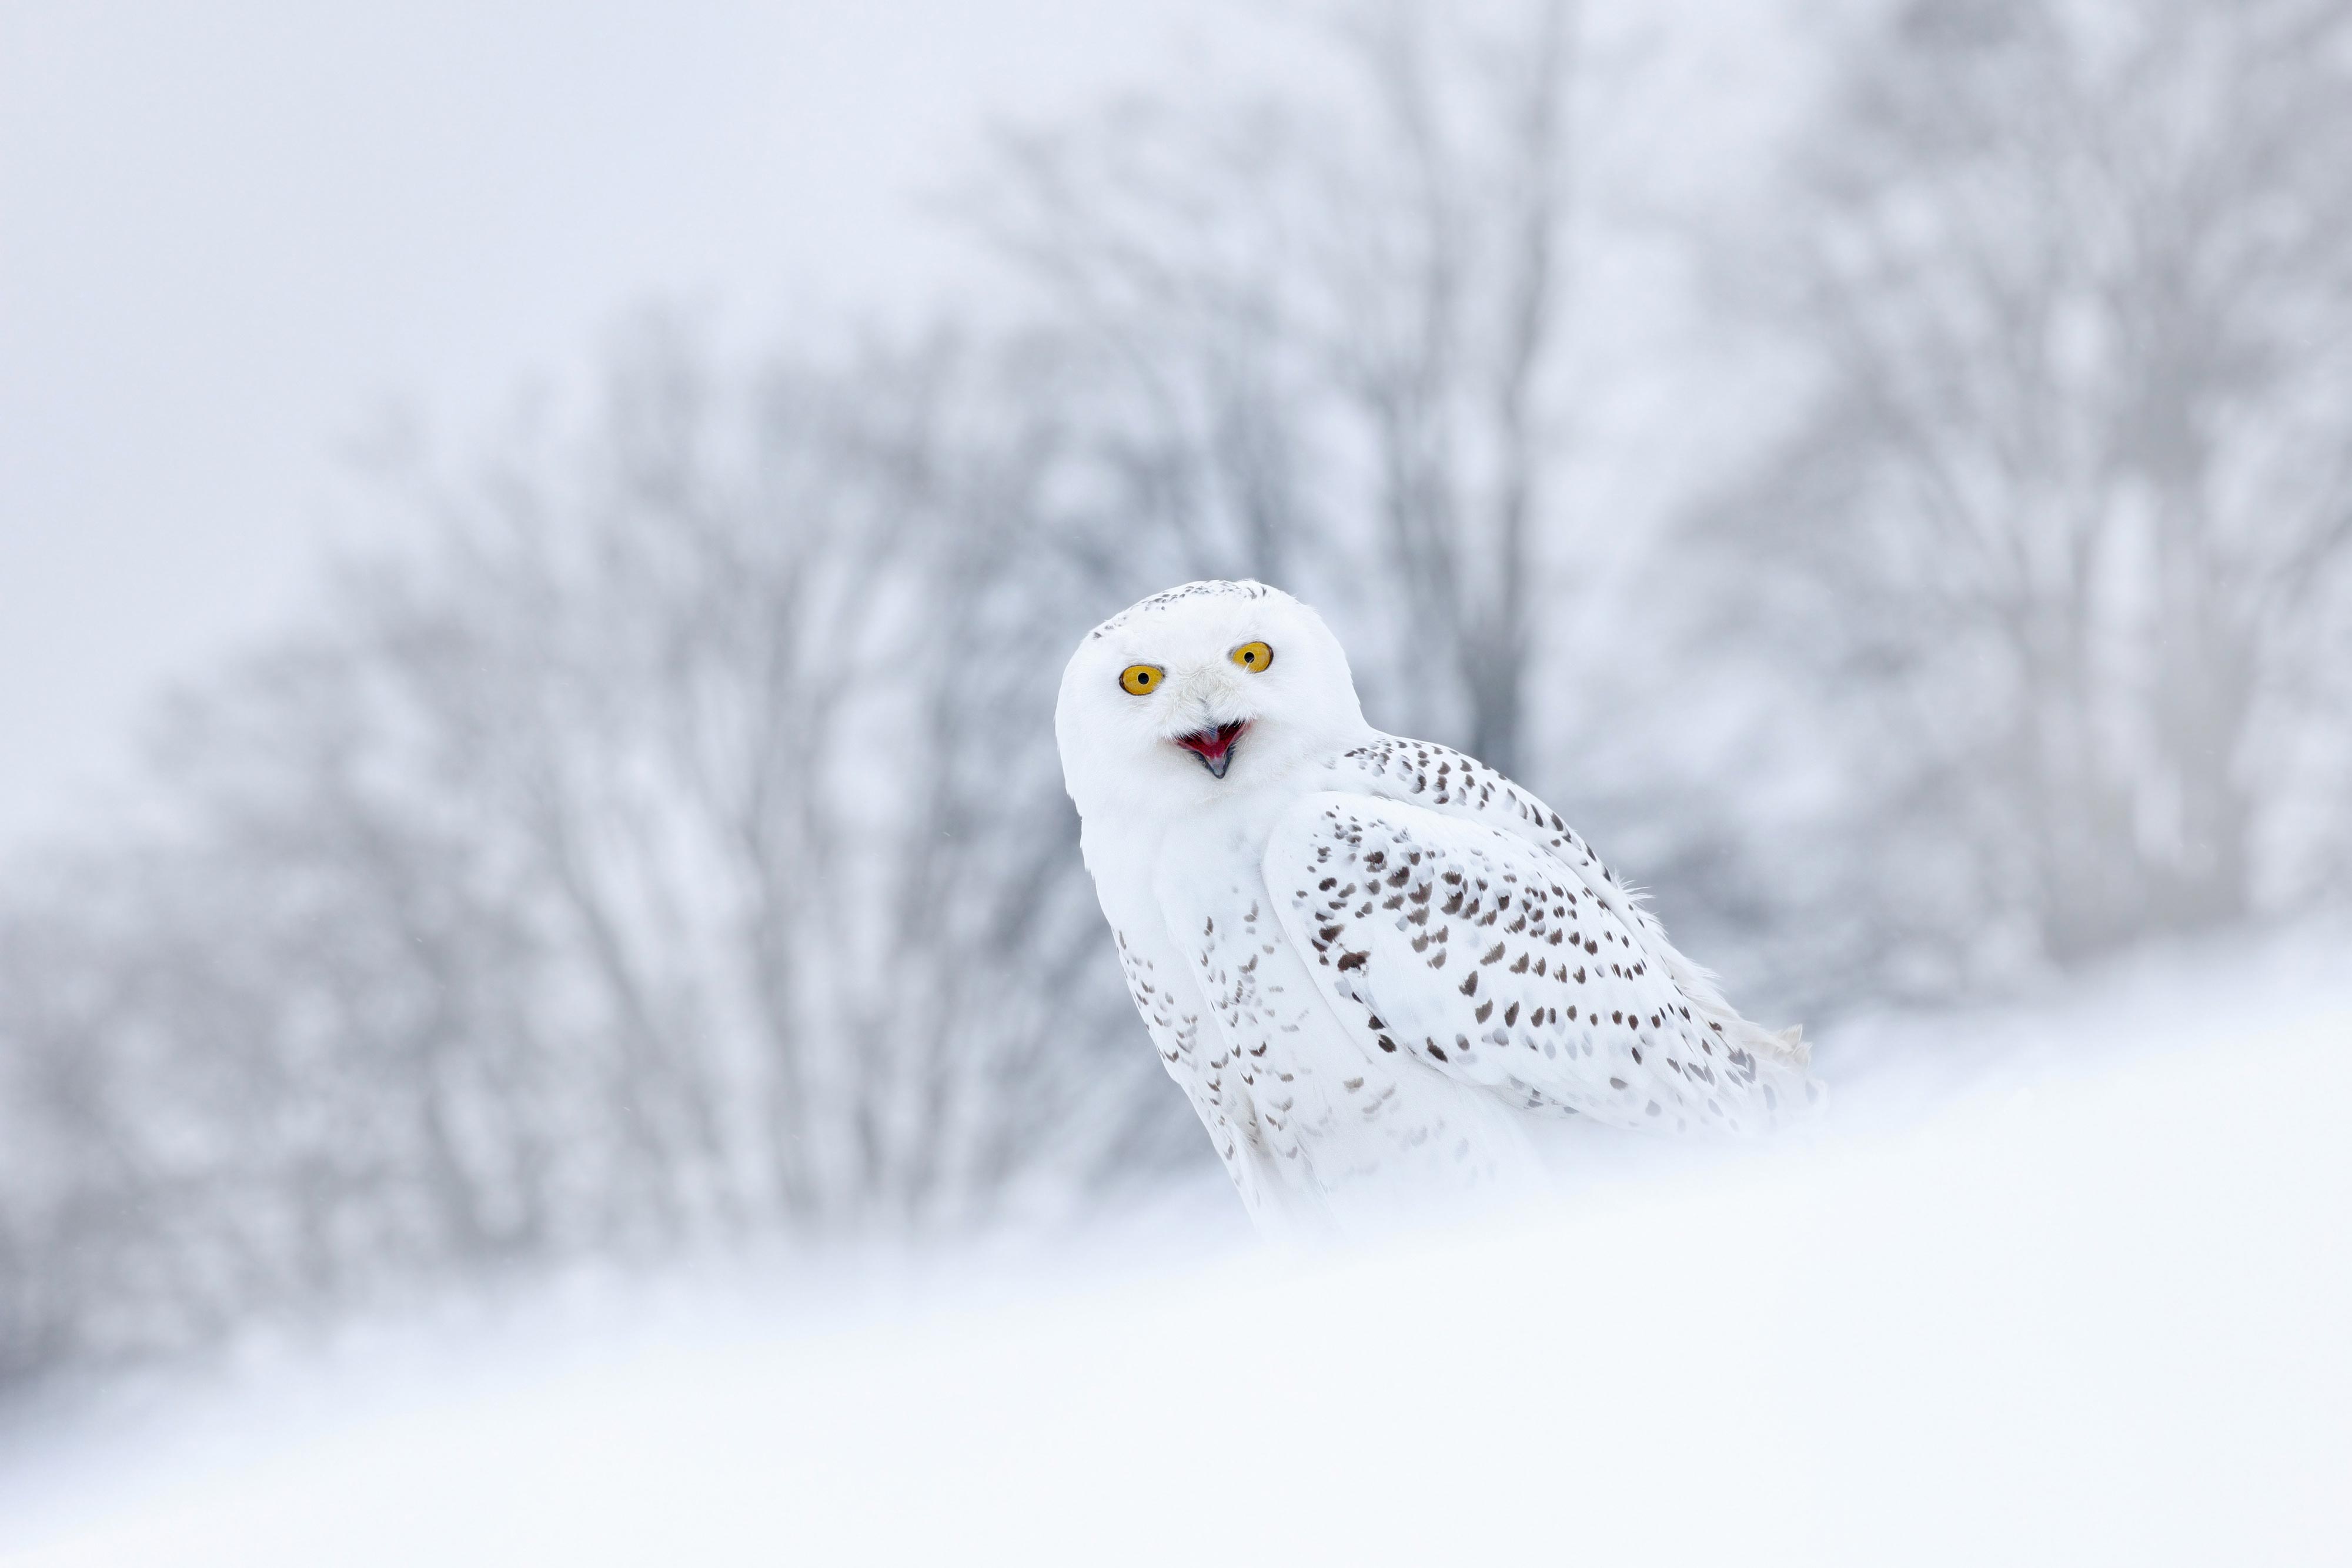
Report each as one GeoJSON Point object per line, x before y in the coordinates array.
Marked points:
{"type": "Point", "coordinates": [1384, 974]}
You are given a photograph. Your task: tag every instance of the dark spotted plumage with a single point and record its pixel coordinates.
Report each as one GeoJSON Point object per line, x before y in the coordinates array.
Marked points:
{"type": "Point", "coordinates": [1493, 861]}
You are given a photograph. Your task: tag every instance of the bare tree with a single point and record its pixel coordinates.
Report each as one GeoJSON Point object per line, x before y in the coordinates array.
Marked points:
{"type": "Point", "coordinates": [1364, 285]}
{"type": "Point", "coordinates": [671, 845]}
{"type": "Point", "coordinates": [2069, 517]}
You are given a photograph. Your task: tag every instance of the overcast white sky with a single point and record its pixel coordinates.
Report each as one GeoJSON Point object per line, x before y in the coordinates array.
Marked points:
{"type": "Point", "coordinates": [230, 234]}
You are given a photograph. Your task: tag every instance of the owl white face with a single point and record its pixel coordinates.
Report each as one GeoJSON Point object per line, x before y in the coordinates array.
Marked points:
{"type": "Point", "coordinates": [1198, 693]}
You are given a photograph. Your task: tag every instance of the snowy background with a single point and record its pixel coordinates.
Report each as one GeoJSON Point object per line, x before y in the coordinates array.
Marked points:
{"type": "Point", "coordinates": [548, 1005]}
{"type": "Point", "coordinates": [2062, 1283]}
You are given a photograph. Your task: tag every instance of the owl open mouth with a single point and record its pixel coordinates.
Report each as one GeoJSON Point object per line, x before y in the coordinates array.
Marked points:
{"type": "Point", "coordinates": [1214, 748]}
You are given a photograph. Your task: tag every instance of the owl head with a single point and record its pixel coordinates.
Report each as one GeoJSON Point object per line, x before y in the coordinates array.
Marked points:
{"type": "Point", "coordinates": [1201, 695]}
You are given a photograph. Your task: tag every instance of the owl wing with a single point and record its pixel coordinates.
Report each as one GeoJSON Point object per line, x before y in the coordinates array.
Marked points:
{"type": "Point", "coordinates": [1446, 781]}
{"type": "Point", "coordinates": [1488, 956]}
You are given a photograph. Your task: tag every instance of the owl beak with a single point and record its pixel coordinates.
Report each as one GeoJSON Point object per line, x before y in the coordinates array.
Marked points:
{"type": "Point", "coordinates": [1214, 748]}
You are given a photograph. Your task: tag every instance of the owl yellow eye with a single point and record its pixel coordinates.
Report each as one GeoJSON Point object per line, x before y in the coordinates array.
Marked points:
{"type": "Point", "coordinates": [1253, 657]}
{"type": "Point", "coordinates": [1142, 680]}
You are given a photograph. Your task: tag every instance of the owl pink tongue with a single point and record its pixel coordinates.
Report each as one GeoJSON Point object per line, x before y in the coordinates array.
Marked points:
{"type": "Point", "coordinates": [1214, 748]}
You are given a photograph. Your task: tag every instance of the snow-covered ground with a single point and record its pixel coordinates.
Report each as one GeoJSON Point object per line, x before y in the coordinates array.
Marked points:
{"type": "Point", "coordinates": [2066, 1284]}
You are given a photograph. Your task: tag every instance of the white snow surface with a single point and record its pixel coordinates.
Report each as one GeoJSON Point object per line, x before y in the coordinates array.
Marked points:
{"type": "Point", "coordinates": [2061, 1283]}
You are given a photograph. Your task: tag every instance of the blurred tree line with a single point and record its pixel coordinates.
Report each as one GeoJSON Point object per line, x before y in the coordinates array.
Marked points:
{"type": "Point", "coordinates": [669, 846]}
